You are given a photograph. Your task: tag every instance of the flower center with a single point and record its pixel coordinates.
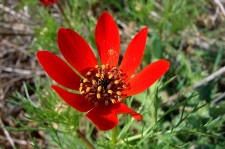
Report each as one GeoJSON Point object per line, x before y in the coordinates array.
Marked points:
{"type": "Point", "coordinates": [103, 85]}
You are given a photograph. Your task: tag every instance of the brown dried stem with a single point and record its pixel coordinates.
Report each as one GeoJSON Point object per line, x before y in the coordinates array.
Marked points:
{"type": "Point", "coordinates": [84, 139]}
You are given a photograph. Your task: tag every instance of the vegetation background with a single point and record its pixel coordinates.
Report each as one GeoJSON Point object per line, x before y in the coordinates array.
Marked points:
{"type": "Point", "coordinates": [185, 109]}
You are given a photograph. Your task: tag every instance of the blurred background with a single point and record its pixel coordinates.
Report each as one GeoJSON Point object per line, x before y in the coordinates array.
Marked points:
{"type": "Point", "coordinates": [187, 105]}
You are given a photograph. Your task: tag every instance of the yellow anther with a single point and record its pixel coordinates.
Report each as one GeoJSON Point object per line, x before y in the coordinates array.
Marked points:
{"type": "Point", "coordinates": [96, 66]}
{"type": "Point", "coordinates": [80, 88]}
{"type": "Point", "coordinates": [118, 93]}
{"type": "Point", "coordinates": [88, 89]}
{"type": "Point", "coordinates": [116, 82]}
{"type": "Point", "coordinates": [88, 73]}
{"type": "Point", "coordinates": [120, 99]}
{"type": "Point", "coordinates": [103, 66]}
{"type": "Point", "coordinates": [98, 96]}
{"type": "Point", "coordinates": [85, 80]}
{"type": "Point", "coordinates": [114, 68]}
{"type": "Point", "coordinates": [110, 91]}
{"type": "Point", "coordinates": [110, 76]}
{"type": "Point", "coordinates": [99, 88]}
{"type": "Point", "coordinates": [81, 84]}
{"type": "Point", "coordinates": [113, 101]}
{"type": "Point", "coordinates": [106, 102]}
{"type": "Point", "coordinates": [82, 92]}
{"type": "Point", "coordinates": [98, 75]}
{"type": "Point", "coordinates": [102, 76]}
{"type": "Point", "coordinates": [94, 82]}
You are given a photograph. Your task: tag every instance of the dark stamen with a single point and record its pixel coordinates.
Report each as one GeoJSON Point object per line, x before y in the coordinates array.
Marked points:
{"type": "Point", "coordinates": [103, 85]}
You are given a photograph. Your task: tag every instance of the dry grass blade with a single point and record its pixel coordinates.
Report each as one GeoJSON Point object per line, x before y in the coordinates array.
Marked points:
{"type": "Point", "coordinates": [9, 138]}
{"type": "Point", "coordinates": [219, 3]}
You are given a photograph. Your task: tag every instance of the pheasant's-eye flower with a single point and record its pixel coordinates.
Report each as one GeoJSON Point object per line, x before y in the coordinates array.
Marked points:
{"type": "Point", "coordinates": [48, 2]}
{"type": "Point", "coordinates": [103, 88]}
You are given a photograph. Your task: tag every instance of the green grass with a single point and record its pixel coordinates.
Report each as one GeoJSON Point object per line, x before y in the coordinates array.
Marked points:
{"type": "Point", "coordinates": [190, 120]}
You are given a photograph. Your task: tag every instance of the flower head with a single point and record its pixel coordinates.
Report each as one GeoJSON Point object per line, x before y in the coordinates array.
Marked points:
{"type": "Point", "coordinates": [105, 86]}
{"type": "Point", "coordinates": [48, 2]}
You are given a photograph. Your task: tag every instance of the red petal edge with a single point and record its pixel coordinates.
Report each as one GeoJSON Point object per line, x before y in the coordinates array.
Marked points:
{"type": "Point", "coordinates": [76, 50]}
{"type": "Point", "coordinates": [107, 39]}
{"type": "Point", "coordinates": [134, 53]}
{"type": "Point", "coordinates": [48, 2]}
{"type": "Point", "coordinates": [75, 100]}
{"type": "Point", "coordinates": [103, 118]}
{"type": "Point", "coordinates": [121, 108]}
{"type": "Point", "coordinates": [147, 77]}
{"type": "Point", "coordinates": [58, 70]}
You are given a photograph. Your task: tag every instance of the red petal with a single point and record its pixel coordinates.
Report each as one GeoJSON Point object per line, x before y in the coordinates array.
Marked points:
{"type": "Point", "coordinates": [107, 39]}
{"type": "Point", "coordinates": [147, 77]}
{"type": "Point", "coordinates": [121, 108]}
{"type": "Point", "coordinates": [48, 2]}
{"type": "Point", "coordinates": [103, 118]}
{"type": "Point", "coordinates": [77, 101]}
{"type": "Point", "coordinates": [58, 70]}
{"type": "Point", "coordinates": [75, 50]}
{"type": "Point", "coordinates": [134, 53]}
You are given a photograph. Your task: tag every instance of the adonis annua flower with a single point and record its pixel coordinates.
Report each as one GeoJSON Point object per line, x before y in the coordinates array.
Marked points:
{"type": "Point", "coordinates": [103, 87]}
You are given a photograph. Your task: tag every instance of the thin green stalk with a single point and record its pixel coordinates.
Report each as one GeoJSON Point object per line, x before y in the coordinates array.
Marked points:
{"type": "Point", "coordinates": [64, 15]}
{"type": "Point", "coordinates": [114, 137]}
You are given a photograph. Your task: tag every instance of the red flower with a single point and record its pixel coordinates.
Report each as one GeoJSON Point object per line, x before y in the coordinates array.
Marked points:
{"type": "Point", "coordinates": [104, 87]}
{"type": "Point", "coordinates": [48, 2]}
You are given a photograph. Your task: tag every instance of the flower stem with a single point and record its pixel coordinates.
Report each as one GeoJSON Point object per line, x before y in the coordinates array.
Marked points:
{"type": "Point", "coordinates": [84, 139]}
{"type": "Point", "coordinates": [114, 137]}
{"type": "Point", "coordinates": [64, 15]}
